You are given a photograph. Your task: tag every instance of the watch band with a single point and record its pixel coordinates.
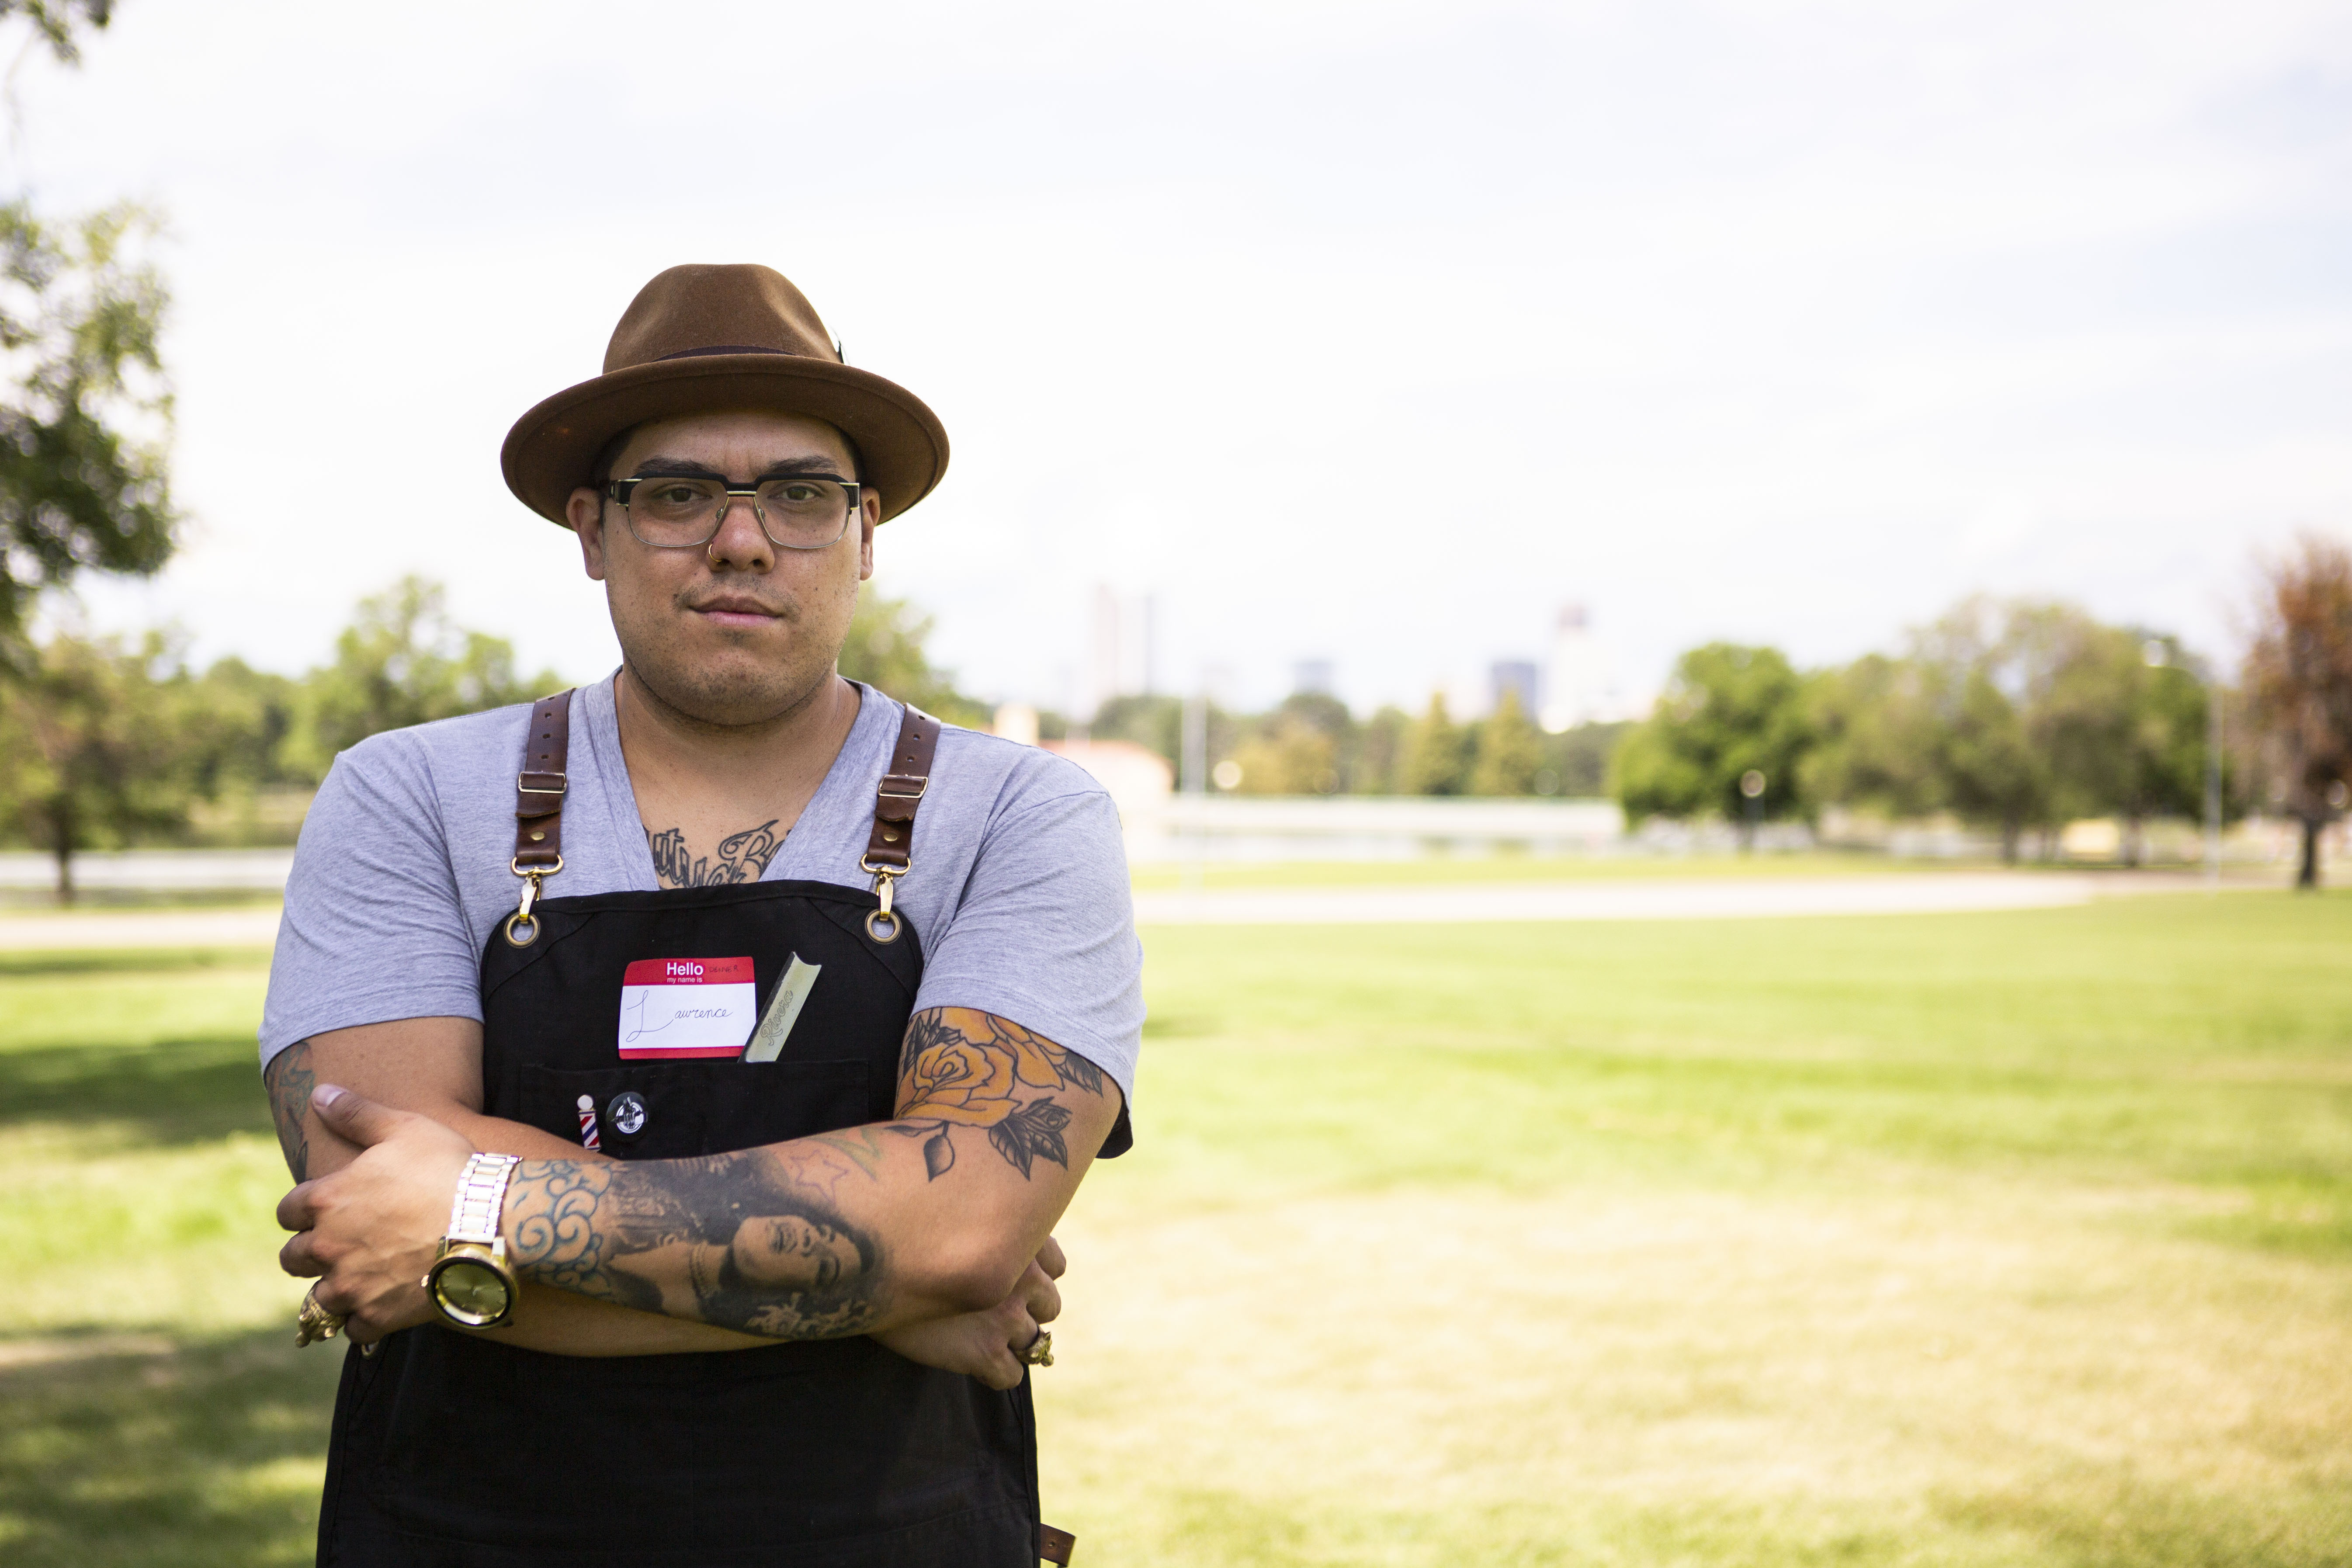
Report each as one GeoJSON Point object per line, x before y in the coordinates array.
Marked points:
{"type": "Point", "coordinates": [481, 1198]}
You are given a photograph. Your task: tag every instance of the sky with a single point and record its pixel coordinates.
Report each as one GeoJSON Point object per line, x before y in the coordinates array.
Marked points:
{"type": "Point", "coordinates": [1372, 332]}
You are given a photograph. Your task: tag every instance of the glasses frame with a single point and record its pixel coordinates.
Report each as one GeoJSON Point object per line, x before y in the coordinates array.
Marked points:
{"type": "Point", "coordinates": [622, 489]}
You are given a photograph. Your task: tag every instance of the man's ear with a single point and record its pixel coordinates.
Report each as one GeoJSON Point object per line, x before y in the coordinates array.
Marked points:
{"type": "Point", "coordinates": [585, 512]}
{"type": "Point", "coordinates": [870, 516]}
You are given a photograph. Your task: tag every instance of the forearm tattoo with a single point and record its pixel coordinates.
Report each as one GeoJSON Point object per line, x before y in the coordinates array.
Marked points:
{"type": "Point", "coordinates": [742, 857]}
{"type": "Point", "coordinates": [289, 1079]}
{"type": "Point", "coordinates": [963, 1068]}
{"type": "Point", "coordinates": [742, 1240]}
{"type": "Point", "coordinates": [758, 1240]}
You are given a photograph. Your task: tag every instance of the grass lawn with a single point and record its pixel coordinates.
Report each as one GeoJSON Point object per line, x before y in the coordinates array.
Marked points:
{"type": "Point", "coordinates": [1987, 1238]}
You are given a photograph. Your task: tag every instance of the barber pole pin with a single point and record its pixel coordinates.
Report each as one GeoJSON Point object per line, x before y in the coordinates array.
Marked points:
{"type": "Point", "coordinates": [587, 1122]}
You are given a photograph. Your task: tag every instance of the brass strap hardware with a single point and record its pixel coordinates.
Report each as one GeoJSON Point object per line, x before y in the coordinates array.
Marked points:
{"type": "Point", "coordinates": [896, 799]}
{"type": "Point", "coordinates": [885, 879]}
{"type": "Point", "coordinates": [539, 788]}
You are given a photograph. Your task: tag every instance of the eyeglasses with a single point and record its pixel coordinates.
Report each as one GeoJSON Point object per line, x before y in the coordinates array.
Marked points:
{"type": "Point", "coordinates": [798, 511]}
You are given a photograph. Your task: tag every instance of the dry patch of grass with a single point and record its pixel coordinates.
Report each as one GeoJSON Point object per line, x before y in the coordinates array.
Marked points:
{"type": "Point", "coordinates": [1421, 1378]}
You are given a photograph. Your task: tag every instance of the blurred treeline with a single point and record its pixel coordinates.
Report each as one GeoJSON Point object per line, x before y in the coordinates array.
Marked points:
{"type": "Point", "coordinates": [1312, 745]}
{"type": "Point", "coordinates": [2013, 716]}
{"type": "Point", "coordinates": [113, 741]}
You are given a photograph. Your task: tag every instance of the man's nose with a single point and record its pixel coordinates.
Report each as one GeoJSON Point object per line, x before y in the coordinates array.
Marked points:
{"type": "Point", "coordinates": [740, 542]}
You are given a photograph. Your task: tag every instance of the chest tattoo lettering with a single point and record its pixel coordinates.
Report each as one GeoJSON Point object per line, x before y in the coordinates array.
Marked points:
{"type": "Point", "coordinates": [742, 857]}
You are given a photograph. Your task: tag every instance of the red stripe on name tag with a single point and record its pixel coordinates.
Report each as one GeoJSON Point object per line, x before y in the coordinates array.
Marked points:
{"type": "Point", "coordinates": [688, 972]}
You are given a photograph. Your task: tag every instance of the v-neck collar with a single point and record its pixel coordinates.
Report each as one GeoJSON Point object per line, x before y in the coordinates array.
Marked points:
{"type": "Point", "coordinates": [804, 854]}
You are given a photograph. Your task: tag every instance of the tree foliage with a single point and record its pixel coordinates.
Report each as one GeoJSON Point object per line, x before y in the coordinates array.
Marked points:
{"type": "Point", "coordinates": [85, 422]}
{"type": "Point", "coordinates": [402, 661]}
{"type": "Point", "coordinates": [886, 651]}
{"type": "Point", "coordinates": [1507, 751]}
{"type": "Point", "coordinates": [1727, 710]}
{"type": "Point", "coordinates": [1436, 753]}
{"type": "Point", "coordinates": [94, 747]}
{"type": "Point", "coordinates": [2298, 680]}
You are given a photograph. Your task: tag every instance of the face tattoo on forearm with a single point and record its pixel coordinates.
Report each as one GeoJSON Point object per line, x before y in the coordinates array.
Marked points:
{"type": "Point", "coordinates": [779, 1262]}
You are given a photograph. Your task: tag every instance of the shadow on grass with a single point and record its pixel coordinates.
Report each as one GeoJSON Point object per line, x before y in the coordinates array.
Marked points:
{"type": "Point", "coordinates": [210, 1455]}
{"type": "Point", "coordinates": [176, 1093]}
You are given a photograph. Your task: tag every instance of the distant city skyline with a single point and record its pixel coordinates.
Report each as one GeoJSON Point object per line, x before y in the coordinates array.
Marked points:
{"type": "Point", "coordinates": [1366, 333]}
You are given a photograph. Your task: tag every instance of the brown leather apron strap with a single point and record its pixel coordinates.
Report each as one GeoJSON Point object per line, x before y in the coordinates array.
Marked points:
{"type": "Point", "coordinates": [1055, 1545]}
{"type": "Point", "coordinates": [539, 788]}
{"type": "Point", "coordinates": [896, 800]}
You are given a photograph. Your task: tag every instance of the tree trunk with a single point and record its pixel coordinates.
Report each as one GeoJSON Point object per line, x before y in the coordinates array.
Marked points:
{"type": "Point", "coordinates": [2010, 832]}
{"type": "Point", "coordinates": [2307, 876]}
{"type": "Point", "coordinates": [2134, 847]}
{"type": "Point", "coordinates": [65, 872]}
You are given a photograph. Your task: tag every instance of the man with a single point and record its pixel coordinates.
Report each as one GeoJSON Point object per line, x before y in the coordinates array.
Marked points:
{"type": "Point", "coordinates": [717, 1043]}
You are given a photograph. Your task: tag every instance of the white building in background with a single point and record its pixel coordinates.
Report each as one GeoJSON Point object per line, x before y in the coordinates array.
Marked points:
{"type": "Point", "coordinates": [1581, 682]}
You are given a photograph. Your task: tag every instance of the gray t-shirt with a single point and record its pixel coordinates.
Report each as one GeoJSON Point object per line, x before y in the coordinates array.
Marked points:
{"type": "Point", "coordinates": [1018, 888]}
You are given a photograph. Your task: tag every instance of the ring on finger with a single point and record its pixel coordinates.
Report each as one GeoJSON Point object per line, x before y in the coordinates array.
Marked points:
{"type": "Point", "coordinates": [1040, 1350]}
{"type": "Point", "coordinates": [314, 1322]}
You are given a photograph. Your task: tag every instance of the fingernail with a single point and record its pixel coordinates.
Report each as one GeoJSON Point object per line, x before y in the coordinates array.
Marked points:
{"type": "Point", "coordinates": [325, 1095]}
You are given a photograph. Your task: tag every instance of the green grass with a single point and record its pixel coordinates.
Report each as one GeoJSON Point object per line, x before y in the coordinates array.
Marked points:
{"type": "Point", "coordinates": [1970, 1239]}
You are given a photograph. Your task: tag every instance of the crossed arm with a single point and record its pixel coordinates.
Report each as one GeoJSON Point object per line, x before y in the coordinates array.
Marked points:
{"type": "Point", "coordinates": [916, 1230]}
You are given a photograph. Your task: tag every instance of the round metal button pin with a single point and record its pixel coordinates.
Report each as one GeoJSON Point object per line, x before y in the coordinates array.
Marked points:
{"type": "Point", "coordinates": [626, 1113]}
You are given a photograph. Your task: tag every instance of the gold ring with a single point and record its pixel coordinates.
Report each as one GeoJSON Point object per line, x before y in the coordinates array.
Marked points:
{"type": "Point", "coordinates": [1041, 1348]}
{"type": "Point", "coordinates": [314, 1322]}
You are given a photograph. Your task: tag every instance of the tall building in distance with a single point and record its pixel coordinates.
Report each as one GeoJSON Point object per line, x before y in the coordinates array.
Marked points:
{"type": "Point", "coordinates": [1580, 684]}
{"type": "Point", "coordinates": [1518, 676]}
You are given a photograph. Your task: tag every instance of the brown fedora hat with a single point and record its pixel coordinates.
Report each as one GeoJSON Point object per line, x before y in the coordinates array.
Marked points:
{"type": "Point", "coordinates": [701, 339]}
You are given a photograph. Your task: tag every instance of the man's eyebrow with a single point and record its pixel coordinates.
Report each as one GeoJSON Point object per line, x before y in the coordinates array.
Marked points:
{"type": "Point", "coordinates": [688, 468]}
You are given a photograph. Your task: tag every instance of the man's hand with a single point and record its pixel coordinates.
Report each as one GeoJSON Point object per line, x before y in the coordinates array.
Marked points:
{"type": "Point", "coordinates": [369, 1231]}
{"type": "Point", "coordinates": [988, 1345]}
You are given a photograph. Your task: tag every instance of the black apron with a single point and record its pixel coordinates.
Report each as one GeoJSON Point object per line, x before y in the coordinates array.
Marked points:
{"type": "Point", "coordinates": [451, 1448]}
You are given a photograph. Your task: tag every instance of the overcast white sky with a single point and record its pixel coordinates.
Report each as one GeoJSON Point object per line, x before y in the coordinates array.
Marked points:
{"type": "Point", "coordinates": [1367, 330]}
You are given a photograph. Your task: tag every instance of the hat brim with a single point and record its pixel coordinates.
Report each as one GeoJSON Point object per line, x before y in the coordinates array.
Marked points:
{"type": "Point", "coordinates": [902, 448]}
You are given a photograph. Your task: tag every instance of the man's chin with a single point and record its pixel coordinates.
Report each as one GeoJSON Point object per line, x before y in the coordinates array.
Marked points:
{"type": "Point", "coordinates": [726, 694]}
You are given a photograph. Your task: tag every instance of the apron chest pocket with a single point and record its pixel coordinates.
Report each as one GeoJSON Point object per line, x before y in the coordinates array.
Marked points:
{"type": "Point", "coordinates": [674, 1110]}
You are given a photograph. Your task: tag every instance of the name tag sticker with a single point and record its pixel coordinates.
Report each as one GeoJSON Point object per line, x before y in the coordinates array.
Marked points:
{"type": "Point", "coordinates": [677, 1008]}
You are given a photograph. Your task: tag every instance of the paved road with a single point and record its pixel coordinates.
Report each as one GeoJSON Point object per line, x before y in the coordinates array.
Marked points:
{"type": "Point", "coordinates": [142, 928]}
{"type": "Point", "coordinates": [1746, 898]}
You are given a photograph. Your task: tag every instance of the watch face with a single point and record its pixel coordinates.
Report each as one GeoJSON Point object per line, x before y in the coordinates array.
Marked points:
{"type": "Point", "coordinates": [471, 1292]}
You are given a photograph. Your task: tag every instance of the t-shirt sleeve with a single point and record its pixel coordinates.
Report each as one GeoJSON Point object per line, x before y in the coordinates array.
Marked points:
{"type": "Point", "coordinates": [373, 929]}
{"type": "Point", "coordinates": [1044, 935]}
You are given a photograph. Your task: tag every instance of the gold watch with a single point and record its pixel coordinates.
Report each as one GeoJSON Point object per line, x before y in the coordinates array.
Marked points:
{"type": "Point", "coordinates": [470, 1281]}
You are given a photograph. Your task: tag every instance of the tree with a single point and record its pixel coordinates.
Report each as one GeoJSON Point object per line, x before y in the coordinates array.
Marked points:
{"type": "Point", "coordinates": [1436, 757]}
{"type": "Point", "coordinates": [1509, 751]}
{"type": "Point", "coordinates": [87, 419]}
{"type": "Point", "coordinates": [1579, 759]}
{"type": "Point", "coordinates": [2298, 680]}
{"type": "Point", "coordinates": [1727, 710]}
{"type": "Point", "coordinates": [1288, 756]}
{"type": "Point", "coordinates": [92, 747]}
{"type": "Point", "coordinates": [401, 662]}
{"type": "Point", "coordinates": [886, 651]}
{"type": "Point", "coordinates": [1979, 674]}
{"type": "Point", "coordinates": [1380, 756]}
{"type": "Point", "coordinates": [1873, 737]}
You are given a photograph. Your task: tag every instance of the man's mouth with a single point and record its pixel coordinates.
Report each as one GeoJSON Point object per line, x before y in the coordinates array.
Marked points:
{"type": "Point", "coordinates": [736, 610]}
